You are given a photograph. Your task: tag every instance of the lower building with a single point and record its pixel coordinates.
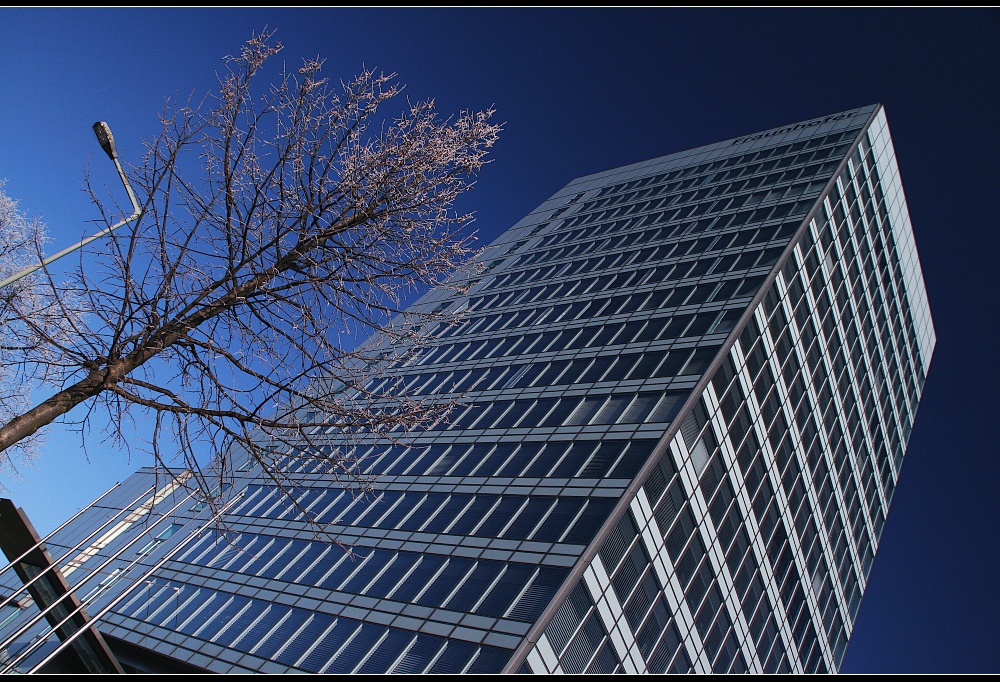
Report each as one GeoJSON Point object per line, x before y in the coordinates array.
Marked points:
{"type": "Point", "coordinates": [688, 385]}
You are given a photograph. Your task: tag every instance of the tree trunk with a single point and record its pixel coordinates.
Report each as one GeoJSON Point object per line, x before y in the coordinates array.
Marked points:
{"type": "Point", "coordinates": [46, 412]}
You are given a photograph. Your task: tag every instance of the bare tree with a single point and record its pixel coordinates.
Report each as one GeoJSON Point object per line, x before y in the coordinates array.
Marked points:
{"type": "Point", "coordinates": [283, 224]}
{"type": "Point", "coordinates": [21, 241]}
{"type": "Point", "coordinates": [18, 235]}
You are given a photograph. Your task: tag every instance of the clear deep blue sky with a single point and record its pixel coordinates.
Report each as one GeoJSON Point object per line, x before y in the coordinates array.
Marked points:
{"type": "Point", "coordinates": [583, 91]}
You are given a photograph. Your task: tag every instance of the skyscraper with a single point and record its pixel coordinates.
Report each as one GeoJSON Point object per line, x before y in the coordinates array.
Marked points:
{"type": "Point", "coordinates": [687, 387]}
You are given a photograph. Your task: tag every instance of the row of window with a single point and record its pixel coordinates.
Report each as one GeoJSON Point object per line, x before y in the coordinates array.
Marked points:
{"type": "Point", "coordinates": [662, 328]}
{"type": "Point", "coordinates": [693, 189]}
{"type": "Point", "coordinates": [665, 211]}
{"type": "Point", "coordinates": [578, 458]}
{"type": "Point", "coordinates": [668, 220]}
{"type": "Point", "coordinates": [729, 163]}
{"type": "Point", "coordinates": [733, 267]}
{"type": "Point", "coordinates": [539, 518]}
{"type": "Point", "coordinates": [496, 589]}
{"type": "Point", "coordinates": [598, 409]}
{"type": "Point", "coordinates": [591, 211]}
{"type": "Point", "coordinates": [311, 641]}
{"type": "Point", "coordinates": [674, 261]}
{"type": "Point", "coordinates": [568, 260]}
{"type": "Point", "coordinates": [653, 364]}
{"type": "Point", "coordinates": [667, 328]}
{"type": "Point", "coordinates": [556, 459]}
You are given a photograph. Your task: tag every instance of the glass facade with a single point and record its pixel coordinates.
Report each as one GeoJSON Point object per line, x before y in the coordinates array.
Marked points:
{"type": "Point", "coordinates": [685, 390]}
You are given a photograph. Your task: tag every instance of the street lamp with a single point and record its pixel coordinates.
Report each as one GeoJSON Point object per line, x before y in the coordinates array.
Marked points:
{"type": "Point", "coordinates": [107, 141]}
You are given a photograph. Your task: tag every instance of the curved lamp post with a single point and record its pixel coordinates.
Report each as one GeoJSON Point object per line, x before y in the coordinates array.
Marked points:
{"type": "Point", "coordinates": [107, 142]}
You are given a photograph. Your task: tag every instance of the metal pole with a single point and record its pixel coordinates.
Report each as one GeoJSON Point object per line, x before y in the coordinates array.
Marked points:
{"type": "Point", "coordinates": [136, 212]}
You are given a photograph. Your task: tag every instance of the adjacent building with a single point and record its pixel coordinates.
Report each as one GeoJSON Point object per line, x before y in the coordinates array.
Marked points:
{"type": "Point", "coordinates": [688, 385]}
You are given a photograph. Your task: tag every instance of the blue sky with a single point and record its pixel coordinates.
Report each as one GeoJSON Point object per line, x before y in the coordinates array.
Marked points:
{"type": "Point", "coordinates": [582, 91]}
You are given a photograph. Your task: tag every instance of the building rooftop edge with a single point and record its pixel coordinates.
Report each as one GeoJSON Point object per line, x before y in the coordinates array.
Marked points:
{"type": "Point", "coordinates": [763, 136]}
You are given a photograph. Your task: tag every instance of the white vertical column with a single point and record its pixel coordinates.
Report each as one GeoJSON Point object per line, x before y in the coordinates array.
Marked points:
{"type": "Point", "coordinates": [610, 611]}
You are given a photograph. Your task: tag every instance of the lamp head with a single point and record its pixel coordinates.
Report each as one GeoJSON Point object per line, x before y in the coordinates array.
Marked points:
{"type": "Point", "coordinates": [106, 139]}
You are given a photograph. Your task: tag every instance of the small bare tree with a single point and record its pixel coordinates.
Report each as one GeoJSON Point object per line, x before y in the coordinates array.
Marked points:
{"type": "Point", "coordinates": [283, 224]}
